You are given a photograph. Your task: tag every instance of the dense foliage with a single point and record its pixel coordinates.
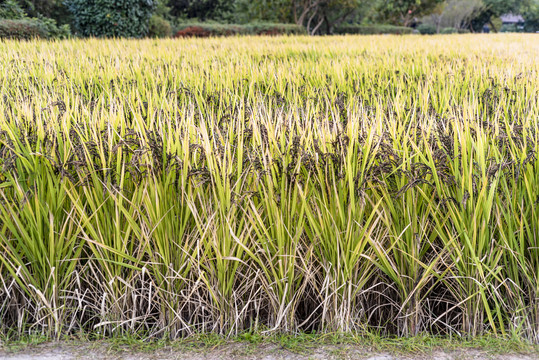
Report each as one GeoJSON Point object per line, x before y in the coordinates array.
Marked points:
{"type": "Point", "coordinates": [11, 10]}
{"type": "Point", "coordinates": [21, 29]}
{"type": "Point", "coordinates": [496, 8]}
{"type": "Point", "coordinates": [208, 30]}
{"type": "Point", "coordinates": [426, 29]}
{"type": "Point", "coordinates": [201, 9]}
{"type": "Point", "coordinates": [169, 187]}
{"type": "Point", "coordinates": [530, 12]}
{"type": "Point", "coordinates": [15, 24]}
{"type": "Point", "coordinates": [111, 18]}
{"type": "Point", "coordinates": [403, 12]}
{"type": "Point", "coordinates": [159, 27]}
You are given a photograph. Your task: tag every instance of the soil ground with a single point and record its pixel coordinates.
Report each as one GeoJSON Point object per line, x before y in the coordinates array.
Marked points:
{"type": "Point", "coordinates": [238, 351]}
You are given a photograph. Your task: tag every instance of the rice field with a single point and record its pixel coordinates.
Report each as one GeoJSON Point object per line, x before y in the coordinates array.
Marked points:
{"type": "Point", "coordinates": [165, 188]}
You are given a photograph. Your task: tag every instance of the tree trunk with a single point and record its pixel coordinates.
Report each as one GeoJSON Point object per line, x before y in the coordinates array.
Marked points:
{"type": "Point", "coordinates": [307, 6]}
{"type": "Point", "coordinates": [318, 26]}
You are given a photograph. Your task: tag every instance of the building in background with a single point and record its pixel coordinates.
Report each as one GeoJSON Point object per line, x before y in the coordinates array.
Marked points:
{"type": "Point", "coordinates": [512, 22]}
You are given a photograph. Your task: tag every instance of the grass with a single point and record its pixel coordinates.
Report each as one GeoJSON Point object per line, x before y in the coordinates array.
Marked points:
{"type": "Point", "coordinates": [279, 186]}
{"type": "Point", "coordinates": [246, 344]}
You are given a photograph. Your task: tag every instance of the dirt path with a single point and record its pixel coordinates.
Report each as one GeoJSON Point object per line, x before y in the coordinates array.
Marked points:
{"type": "Point", "coordinates": [238, 351]}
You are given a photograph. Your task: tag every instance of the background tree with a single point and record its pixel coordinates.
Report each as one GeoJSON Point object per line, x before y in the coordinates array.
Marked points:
{"type": "Point", "coordinates": [317, 16]}
{"type": "Point", "coordinates": [455, 14]}
{"type": "Point", "coordinates": [39, 7]}
{"type": "Point", "coordinates": [403, 12]}
{"type": "Point", "coordinates": [159, 25]}
{"type": "Point", "coordinates": [335, 12]}
{"type": "Point", "coordinates": [493, 9]}
{"type": "Point", "coordinates": [321, 16]}
{"type": "Point", "coordinates": [10, 9]}
{"type": "Point", "coordinates": [54, 9]}
{"type": "Point", "coordinates": [111, 18]}
{"type": "Point", "coordinates": [201, 9]}
{"type": "Point", "coordinates": [530, 12]}
{"type": "Point", "coordinates": [459, 13]}
{"type": "Point", "coordinates": [278, 11]}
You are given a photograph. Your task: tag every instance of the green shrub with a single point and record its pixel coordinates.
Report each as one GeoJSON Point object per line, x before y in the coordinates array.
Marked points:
{"type": "Point", "coordinates": [372, 29]}
{"type": "Point", "coordinates": [449, 30]}
{"type": "Point", "coordinates": [109, 18]}
{"type": "Point", "coordinates": [198, 29]}
{"type": "Point", "coordinates": [511, 28]}
{"type": "Point", "coordinates": [22, 29]}
{"type": "Point", "coordinates": [426, 29]}
{"type": "Point", "coordinates": [26, 29]}
{"type": "Point", "coordinates": [274, 29]}
{"type": "Point", "coordinates": [159, 27]}
{"type": "Point", "coordinates": [206, 30]}
{"type": "Point", "coordinates": [15, 24]}
{"type": "Point", "coordinates": [52, 30]}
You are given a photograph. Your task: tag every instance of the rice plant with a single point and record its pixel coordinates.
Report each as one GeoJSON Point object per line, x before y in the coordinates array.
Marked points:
{"type": "Point", "coordinates": [164, 188]}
